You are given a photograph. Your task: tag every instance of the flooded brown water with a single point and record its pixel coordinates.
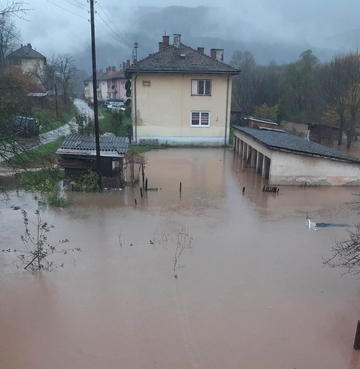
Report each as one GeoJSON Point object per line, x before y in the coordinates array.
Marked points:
{"type": "Point", "coordinates": [251, 290]}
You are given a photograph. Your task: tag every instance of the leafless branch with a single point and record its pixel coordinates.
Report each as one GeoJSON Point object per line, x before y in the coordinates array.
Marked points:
{"type": "Point", "coordinates": [346, 253]}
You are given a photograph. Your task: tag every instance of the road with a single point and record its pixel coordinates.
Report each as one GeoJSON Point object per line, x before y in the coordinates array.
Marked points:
{"type": "Point", "coordinates": [10, 150]}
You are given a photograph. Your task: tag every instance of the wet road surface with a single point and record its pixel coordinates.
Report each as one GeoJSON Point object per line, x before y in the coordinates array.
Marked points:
{"type": "Point", "coordinates": [251, 290]}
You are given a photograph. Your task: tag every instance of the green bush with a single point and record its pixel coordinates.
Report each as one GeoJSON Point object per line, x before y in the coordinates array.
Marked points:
{"type": "Point", "coordinates": [87, 182]}
{"type": "Point", "coordinates": [41, 180]}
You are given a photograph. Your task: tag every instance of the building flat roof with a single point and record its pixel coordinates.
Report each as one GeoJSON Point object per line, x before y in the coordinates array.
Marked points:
{"type": "Point", "coordinates": [282, 141]}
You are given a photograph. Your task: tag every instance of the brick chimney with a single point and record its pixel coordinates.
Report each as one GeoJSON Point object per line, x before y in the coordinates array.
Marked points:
{"type": "Point", "coordinates": [124, 65]}
{"type": "Point", "coordinates": [127, 63]}
{"type": "Point", "coordinates": [177, 40]}
{"type": "Point", "coordinates": [166, 41]}
{"type": "Point", "coordinates": [29, 45]}
{"type": "Point", "coordinates": [217, 54]}
{"type": "Point", "coordinates": [200, 50]}
{"type": "Point", "coordinates": [161, 46]}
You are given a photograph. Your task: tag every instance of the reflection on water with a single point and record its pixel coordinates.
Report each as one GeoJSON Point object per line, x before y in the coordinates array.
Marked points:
{"type": "Point", "coordinates": [251, 293]}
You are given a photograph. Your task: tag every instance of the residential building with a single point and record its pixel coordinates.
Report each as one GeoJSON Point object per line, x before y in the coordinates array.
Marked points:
{"type": "Point", "coordinates": [111, 84]}
{"type": "Point", "coordinates": [30, 61]}
{"type": "Point", "coordinates": [180, 96]}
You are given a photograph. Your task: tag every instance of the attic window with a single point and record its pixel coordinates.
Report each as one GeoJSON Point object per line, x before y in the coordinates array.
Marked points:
{"type": "Point", "coordinates": [146, 83]}
{"type": "Point", "coordinates": [182, 56]}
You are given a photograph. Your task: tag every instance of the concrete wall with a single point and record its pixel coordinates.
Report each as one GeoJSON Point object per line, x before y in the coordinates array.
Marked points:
{"type": "Point", "coordinates": [283, 168]}
{"type": "Point", "coordinates": [295, 169]}
{"type": "Point", "coordinates": [164, 104]}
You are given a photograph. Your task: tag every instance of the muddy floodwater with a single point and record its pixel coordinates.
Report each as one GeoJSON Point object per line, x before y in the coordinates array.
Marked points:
{"type": "Point", "coordinates": [251, 292]}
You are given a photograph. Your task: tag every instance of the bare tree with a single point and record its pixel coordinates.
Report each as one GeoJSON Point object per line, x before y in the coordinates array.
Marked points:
{"type": "Point", "coordinates": [346, 253]}
{"type": "Point", "coordinates": [66, 70]}
{"type": "Point", "coordinates": [9, 36]}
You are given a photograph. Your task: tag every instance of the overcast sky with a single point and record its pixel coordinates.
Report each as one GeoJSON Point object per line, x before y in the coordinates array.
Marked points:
{"type": "Point", "coordinates": [62, 25]}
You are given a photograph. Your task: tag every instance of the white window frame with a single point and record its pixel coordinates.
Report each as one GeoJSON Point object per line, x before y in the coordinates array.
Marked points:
{"type": "Point", "coordinates": [201, 113]}
{"type": "Point", "coordinates": [198, 87]}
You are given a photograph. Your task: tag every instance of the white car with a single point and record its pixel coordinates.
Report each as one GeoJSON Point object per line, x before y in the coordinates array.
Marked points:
{"type": "Point", "coordinates": [116, 106]}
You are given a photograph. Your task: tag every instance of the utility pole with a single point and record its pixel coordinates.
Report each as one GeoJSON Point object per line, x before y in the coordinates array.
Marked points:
{"type": "Point", "coordinates": [96, 118]}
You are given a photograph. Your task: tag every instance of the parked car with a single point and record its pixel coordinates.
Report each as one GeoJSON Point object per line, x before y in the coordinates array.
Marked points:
{"type": "Point", "coordinates": [110, 101]}
{"type": "Point", "coordinates": [25, 126]}
{"type": "Point", "coordinates": [114, 105]}
{"type": "Point", "coordinates": [90, 102]}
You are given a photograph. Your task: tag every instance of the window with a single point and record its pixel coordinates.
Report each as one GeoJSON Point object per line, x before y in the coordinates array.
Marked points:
{"type": "Point", "coordinates": [201, 87]}
{"type": "Point", "coordinates": [200, 119]}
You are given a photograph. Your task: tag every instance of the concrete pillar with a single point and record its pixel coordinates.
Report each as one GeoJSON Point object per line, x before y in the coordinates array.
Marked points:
{"type": "Point", "coordinates": [248, 151]}
{"type": "Point", "coordinates": [240, 148]}
{"type": "Point", "coordinates": [244, 150]}
{"type": "Point", "coordinates": [258, 162]}
{"type": "Point", "coordinates": [261, 163]}
{"type": "Point", "coordinates": [266, 167]}
{"type": "Point", "coordinates": [263, 169]}
{"type": "Point", "coordinates": [253, 158]}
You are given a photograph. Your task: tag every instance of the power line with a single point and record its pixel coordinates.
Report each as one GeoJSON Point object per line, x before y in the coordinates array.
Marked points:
{"type": "Point", "coordinates": [117, 29]}
{"type": "Point", "coordinates": [109, 34]}
{"type": "Point", "coordinates": [81, 4]}
{"type": "Point", "coordinates": [69, 11]}
{"type": "Point", "coordinates": [77, 4]}
{"type": "Point", "coordinates": [125, 42]}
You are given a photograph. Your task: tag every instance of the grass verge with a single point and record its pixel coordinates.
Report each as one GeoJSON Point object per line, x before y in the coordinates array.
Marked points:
{"type": "Point", "coordinates": [38, 156]}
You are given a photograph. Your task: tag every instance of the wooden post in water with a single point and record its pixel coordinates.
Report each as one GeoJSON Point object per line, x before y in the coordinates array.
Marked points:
{"type": "Point", "coordinates": [146, 184]}
{"type": "Point", "coordinates": [143, 174]}
{"type": "Point", "coordinates": [180, 186]}
{"type": "Point", "coordinates": [357, 337]}
{"type": "Point", "coordinates": [135, 201]}
{"type": "Point", "coordinates": [243, 191]}
{"type": "Point", "coordinates": [141, 192]}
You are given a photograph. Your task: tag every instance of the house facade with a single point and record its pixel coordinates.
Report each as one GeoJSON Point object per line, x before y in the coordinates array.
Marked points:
{"type": "Point", "coordinates": [111, 85]}
{"type": "Point", "coordinates": [286, 159]}
{"type": "Point", "coordinates": [30, 61]}
{"type": "Point", "coordinates": [180, 96]}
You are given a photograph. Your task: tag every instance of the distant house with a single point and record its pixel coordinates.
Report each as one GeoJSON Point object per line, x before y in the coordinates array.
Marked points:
{"type": "Point", "coordinates": [252, 122]}
{"type": "Point", "coordinates": [286, 159]}
{"type": "Point", "coordinates": [180, 96]}
{"type": "Point", "coordinates": [29, 60]}
{"type": "Point", "coordinates": [318, 132]}
{"type": "Point", "coordinates": [111, 84]}
{"type": "Point", "coordinates": [78, 154]}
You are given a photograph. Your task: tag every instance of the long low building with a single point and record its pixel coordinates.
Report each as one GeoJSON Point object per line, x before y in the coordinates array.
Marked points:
{"type": "Point", "coordinates": [286, 159]}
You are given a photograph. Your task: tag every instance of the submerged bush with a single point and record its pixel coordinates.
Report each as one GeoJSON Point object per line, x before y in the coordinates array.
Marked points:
{"type": "Point", "coordinates": [87, 182]}
{"type": "Point", "coordinates": [46, 183]}
{"type": "Point", "coordinates": [41, 180]}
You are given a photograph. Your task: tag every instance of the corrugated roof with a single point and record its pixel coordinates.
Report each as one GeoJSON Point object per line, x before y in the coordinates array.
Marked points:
{"type": "Point", "coordinates": [280, 141]}
{"type": "Point", "coordinates": [110, 146]}
{"type": "Point", "coordinates": [182, 59]}
{"type": "Point", "coordinates": [25, 51]}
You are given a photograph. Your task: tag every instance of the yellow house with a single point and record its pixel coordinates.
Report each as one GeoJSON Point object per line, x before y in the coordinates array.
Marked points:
{"type": "Point", "coordinates": [30, 61]}
{"type": "Point", "coordinates": [180, 96]}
